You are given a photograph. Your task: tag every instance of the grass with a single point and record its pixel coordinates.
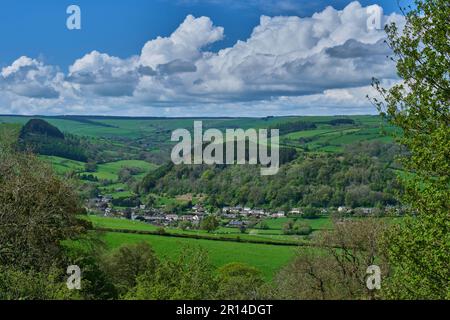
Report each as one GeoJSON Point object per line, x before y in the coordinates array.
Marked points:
{"type": "Point", "coordinates": [110, 170]}
{"type": "Point", "coordinates": [316, 224]}
{"type": "Point", "coordinates": [253, 235]}
{"type": "Point", "coordinates": [62, 165]}
{"type": "Point", "coordinates": [114, 223]}
{"type": "Point", "coordinates": [156, 132]}
{"type": "Point", "coordinates": [267, 258]}
{"type": "Point", "coordinates": [9, 133]}
{"type": "Point", "coordinates": [327, 138]}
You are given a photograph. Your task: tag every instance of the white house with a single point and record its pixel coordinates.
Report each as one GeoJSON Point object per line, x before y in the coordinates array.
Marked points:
{"type": "Point", "coordinates": [342, 209]}
{"type": "Point", "coordinates": [172, 217]}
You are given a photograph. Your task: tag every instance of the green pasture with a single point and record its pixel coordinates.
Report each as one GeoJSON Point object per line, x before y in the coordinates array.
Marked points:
{"type": "Point", "coordinates": [267, 258]}
{"type": "Point", "coordinates": [110, 170]}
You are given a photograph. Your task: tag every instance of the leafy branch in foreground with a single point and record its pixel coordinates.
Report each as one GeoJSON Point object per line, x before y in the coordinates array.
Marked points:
{"type": "Point", "coordinates": [419, 248]}
{"type": "Point", "coordinates": [37, 211]}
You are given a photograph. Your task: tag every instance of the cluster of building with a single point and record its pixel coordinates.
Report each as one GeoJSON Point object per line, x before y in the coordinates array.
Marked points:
{"type": "Point", "coordinates": [103, 205]}
{"type": "Point", "coordinates": [168, 219]}
{"type": "Point", "coordinates": [388, 210]}
{"type": "Point", "coordinates": [244, 212]}
{"type": "Point", "coordinates": [158, 217]}
{"type": "Point", "coordinates": [238, 216]}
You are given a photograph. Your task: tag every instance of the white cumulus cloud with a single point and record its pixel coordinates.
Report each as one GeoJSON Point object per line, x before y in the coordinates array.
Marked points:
{"type": "Point", "coordinates": [286, 66]}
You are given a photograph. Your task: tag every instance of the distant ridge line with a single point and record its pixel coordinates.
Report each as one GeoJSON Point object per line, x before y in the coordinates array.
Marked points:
{"type": "Point", "coordinates": [74, 117]}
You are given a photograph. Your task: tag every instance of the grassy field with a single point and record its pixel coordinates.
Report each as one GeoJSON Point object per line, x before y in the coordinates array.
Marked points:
{"type": "Point", "coordinates": [110, 170]}
{"type": "Point", "coordinates": [328, 138]}
{"type": "Point", "coordinates": [105, 171]}
{"type": "Point", "coordinates": [9, 131]}
{"type": "Point", "coordinates": [62, 165]}
{"type": "Point", "coordinates": [267, 258]}
{"type": "Point", "coordinates": [154, 134]}
{"type": "Point", "coordinates": [134, 128]}
{"type": "Point", "coordinates": [316, 224]}
{"type": "Point", "coordinates": [254, 235]}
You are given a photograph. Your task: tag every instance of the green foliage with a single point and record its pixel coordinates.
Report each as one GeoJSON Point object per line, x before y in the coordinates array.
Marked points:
{"type": "Point", "coordinates": [419, 250]}
{"type": "Point", "coordinates": [129, 262]}
{"type": "Point", "coordinates": [210, 223]}
{"type": "Point", "coordinates": [313, 213]}
{"type": "Point", "coordinates": [177, 207]}
{"type": "Point", "coordinates": [184, 225]}
{"type": "Point", "coordinates": [263, 225]}
{"type": "Point", "coordinates": [298, 228]}
{"type": "Point", "coordinates": [40, 127]}
{"type": "Point", "coordinates": [238, 281]}
{"type": "Point", "coordinates": [311, 180]}
{"type": "Point", "coordinates": [294, 126]}
{"type": "Point", "coordinates": [87, 252]}
{"type": "Point", "coordinates": [149, 182]}
{"type": "Point", "coordinates": [9, 133]}
{"type": "Point", "coordinates": [133, 201]}
{"type": "Point", "coordinates": [337, 122]}
{"type": "Point", "coordinates": [37, 211]}
{"type": "Point", "coordinates": [268, 258]}
{"type": "Point", "coordinates": [91, 166]}
{"type": "Point", "coordinates": [17, 284]}
{"type": "Point", "coordinates": [43, 138]}
{"type": "Point", "coordinates": [189, 277]}
{"type": "Point", "coordinates": [336, 267]}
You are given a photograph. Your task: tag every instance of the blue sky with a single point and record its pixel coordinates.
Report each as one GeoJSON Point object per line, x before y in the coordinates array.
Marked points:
{"type": "Point", "coordinates": [120, 30]}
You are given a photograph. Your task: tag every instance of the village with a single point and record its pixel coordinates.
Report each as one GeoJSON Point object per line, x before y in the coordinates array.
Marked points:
{"type": "Point", "coordinates": [233, 216]}
{"type": "Point", "coordinates": [157, 216]}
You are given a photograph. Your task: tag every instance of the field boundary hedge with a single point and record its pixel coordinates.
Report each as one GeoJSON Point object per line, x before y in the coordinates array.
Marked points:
{"type": "Point", "coordinates": [206, 237]}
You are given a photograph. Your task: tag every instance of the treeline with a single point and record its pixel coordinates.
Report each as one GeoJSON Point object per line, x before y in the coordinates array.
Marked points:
{"type": "Point", "coordinates": [40, 127]}
{"type": "Point", "coordinates": [337, 122]}
{"type": "Point", "coordinates": [359, 177]}
{"type": "Point", "coordinates": [288, 127]}
{"type": "Point", "coordinates": [294, 126]}
{"type": "Point", "coordinates": [65, 148]}
{"type": "Point", "coordinates": [42, 138]}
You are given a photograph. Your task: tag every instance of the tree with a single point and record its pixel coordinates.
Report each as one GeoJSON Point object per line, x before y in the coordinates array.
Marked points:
{"type": "Point", "coordinates": [124, 175]}
{"type": "Point", "coordinates": [184, 225]}
{"type": "Point", "coordinates": [32, 285]}
{"type": "Point", "coordinates": [237, 281]}
{"type": "Point", "coordinates": [288, 227]}
{"type": "Point", "coordinates": [210, 223]}
{"type": "Point", "coordinates": [37, 212]}
{"type": "Point", "coordinates": [189, 277]}
{"type": "Point", "coordinates": [310, 213]}
{"type": "Point", "coordinates": [126, 264]}
{"type": "Point", "coordinates": [419, 248]}
{"type": "Point", "coordinates": [338, 269]}
{"type": "Point", "coordinates": [88, 253]}
{"type": "Point", "coordinates": [302, 228]}
{"type": "Point", "coordinates": [90, 166]}
{"type": "Point", "coordinates": [263, 225]}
